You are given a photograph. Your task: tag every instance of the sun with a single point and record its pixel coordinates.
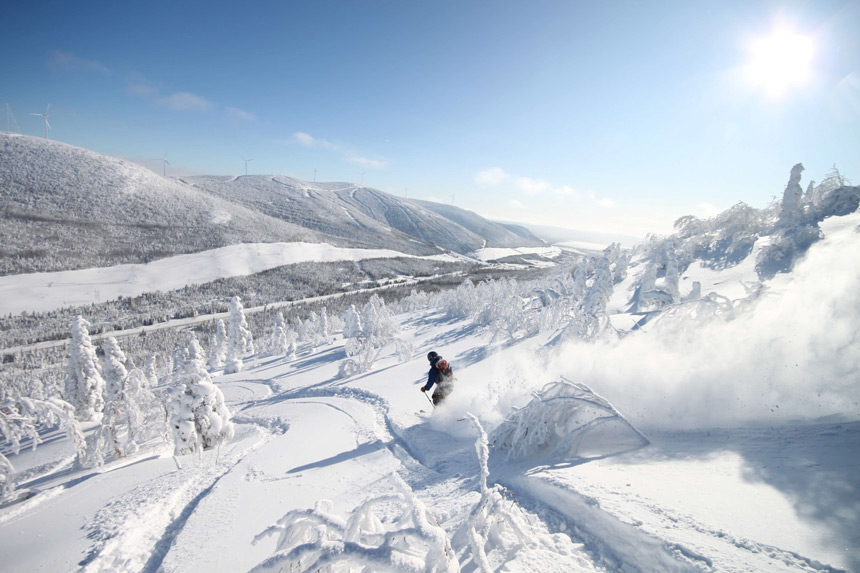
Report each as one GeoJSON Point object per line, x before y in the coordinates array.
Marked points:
{"type": "Point", "coordinates": [780, 61]}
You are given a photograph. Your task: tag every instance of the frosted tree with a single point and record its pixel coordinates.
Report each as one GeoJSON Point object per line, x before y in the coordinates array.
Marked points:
{"type": "Point", "coordinates": [793, 234]}
{"type": "Point", "coordinates": [580, 278]}
{"type": "Point", "coordinates": [351, 323]}
{"type": "Point", "coordinates": [20, 420]}
{"type": "Point", "coordinates": [378, 331]}
{"type": "Point", "coordinates": [673, 277]}
{"type": "Point", "coordinates": [648, 280]}
{"type": "Point", "coordinates": [115, 375]}
{"type": "Point", "coordinates": [218, 348]}
{"type": "Point", "coordinates": [324, 326]}
{"type": "Point", "coordinates": [622, 263]}
{"type": "Point", "coordinates": [150, 370]}
{"type": "Point", "coordinates": [600, 291]}
{"type": "Point", "coordinates": [279, 342]}
{"type": "Point", "coordinates": [791, 212]}
{"type": "Point", "coordinates": [199, 416]}
{"type": "Point", "coordinates": [84, 384]}
{"type": "Point", "coordinates": [239, 338]}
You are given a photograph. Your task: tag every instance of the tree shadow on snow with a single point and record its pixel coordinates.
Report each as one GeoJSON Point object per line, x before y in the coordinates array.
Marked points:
{"type": "Point", "coordinates": [360, 450]}
{"type": "Point", "coordinates": [454, 335]}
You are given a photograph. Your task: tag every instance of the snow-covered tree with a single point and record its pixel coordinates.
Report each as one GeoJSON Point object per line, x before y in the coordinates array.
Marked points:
{"type": "Point", "coordinates": [132, 413]}
{"type": "Point", "coordinates": [673, 276]}
{"type": "Point", "coordinates": [791, 212]}
{"type": "Point", "coordinates": [218, 348]}
{"type": "Point", "coordinates": [199, 416]}
{"type": "Point", "coordinates": [600, 291]}
{"type": "Point", "coordinates": [20, 420]}
{"type": "Point", "coordinates": [351, 322]}
{"type": "Point", "coordinates": [84, 384]}
{"type": "Point", "coordinates": [378, 330]}
{"type": "Point", "coordinates": [324, 332]}
{"type": "Point", "coordinates": [279, 341]}
{"type": "Point", "coordinates": [150, 370]}
{"type": "Point", "coordinates": [115, 375]}
{"type": "Point", "coordinates": [580, 280]}
{"type": "Point", "coordinates": [239, 338]}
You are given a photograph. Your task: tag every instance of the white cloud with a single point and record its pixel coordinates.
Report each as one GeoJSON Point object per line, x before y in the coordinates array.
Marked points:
{"type": "Point", "coordinates": [239, 114]}
{"type": "Point", "coordinates": [533, 186]}
{"type": "Point", "coordinates": [309, 140]}
{"type": "Point", "coordinates": [185, 101]}
{"type": "Point", "coordinates": [601, 201]}
{"type": "Point", "coordinates": [305, 139]}
{"type": "Point", "coordinates": [492, 176]}
{"type": "Point", "coordinates": [70, 61]}
{"type": "Point", "coordinates": [372, 163]}
{"type": "Point", "coordinates": [565, 191]}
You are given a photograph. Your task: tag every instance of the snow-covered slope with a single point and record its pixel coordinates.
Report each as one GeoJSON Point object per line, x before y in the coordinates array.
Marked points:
{"type": "Point", "coordinates": [65, 207]}
{"type": "Point", "coordinates": [361, 213]}
{"type": "Point", "coordinates": [42, 292]}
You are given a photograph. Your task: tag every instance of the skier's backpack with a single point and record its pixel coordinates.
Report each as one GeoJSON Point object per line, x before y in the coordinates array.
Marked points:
{"type": "Point", "coordinates": [445, 368]}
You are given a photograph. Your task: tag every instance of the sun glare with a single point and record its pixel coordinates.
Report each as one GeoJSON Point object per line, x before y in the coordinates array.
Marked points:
{"type": "Point", "coordinates": [780, 61]}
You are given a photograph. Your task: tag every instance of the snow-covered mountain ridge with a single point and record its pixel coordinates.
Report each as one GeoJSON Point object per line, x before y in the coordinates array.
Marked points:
{"type": "Point", "coordinates": [353, 211]}
{"type": "Point", "coordinates": [64, 208]}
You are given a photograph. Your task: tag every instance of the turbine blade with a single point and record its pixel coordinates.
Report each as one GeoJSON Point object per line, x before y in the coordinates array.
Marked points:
{"type": "Point", "coordinates": [39, 114]}
{"type": "Point", "coordinates": [167, 162]}
{"type": "Point", "coordinates": [47, 108]}
{"type": "Point", "coordinates": [47, 124]}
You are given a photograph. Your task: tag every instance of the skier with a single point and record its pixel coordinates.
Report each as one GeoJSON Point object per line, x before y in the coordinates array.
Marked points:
{"type": "Point", "coordinates": [442, 375]}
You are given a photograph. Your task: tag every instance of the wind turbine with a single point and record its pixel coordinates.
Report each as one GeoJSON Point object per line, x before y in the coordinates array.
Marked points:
{"type": "Point", "coordinates": [452, 198]}
{"type": "Point", "coordinates": [10, 121]}
{"type": "Point", "coordinates": [165, 163]}
{"type": "Point", "coordinates": [246, 164]}
{"type": "Point", "coordinates": [44, 115]}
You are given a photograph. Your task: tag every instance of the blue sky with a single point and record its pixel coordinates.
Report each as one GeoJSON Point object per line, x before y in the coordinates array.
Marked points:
{"type": "Point", "coordinates": [604, 116]}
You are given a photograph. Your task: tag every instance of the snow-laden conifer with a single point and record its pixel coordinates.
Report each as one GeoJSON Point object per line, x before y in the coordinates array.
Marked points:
{"type": "Point", "coordinates": [115, 375]}
{"type": "Point", "coordinates": [279, 341]}
{"type": "Point", "coordinates": [218, 347]}
{"type": "Point", "coordinates": [600, 291]}
{"type": "Point", "coordinates": [150, 370]}
{"type": "Point", "coordinates": [84, 384]}
{"type": "Point", "coordinates": [199, 416]}
{"type": "Point", "coordinates": [351, 323]}
{"type": "Point", "coordinates": [378, 330]}
{"type": "Point", "coordinates": [239, 339]}
{"type": "Point", "coordinates": [791, 211]}
{"type": "Point", "coordinates": [324, 332]}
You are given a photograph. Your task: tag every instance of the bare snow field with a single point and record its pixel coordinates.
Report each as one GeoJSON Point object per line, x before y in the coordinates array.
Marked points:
{"type": "Point", "coordinates": [41, 292]}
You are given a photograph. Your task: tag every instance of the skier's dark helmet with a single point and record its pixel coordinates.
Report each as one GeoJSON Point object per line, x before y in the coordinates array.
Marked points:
{"type": "Point", "coordinates": [431, 355]}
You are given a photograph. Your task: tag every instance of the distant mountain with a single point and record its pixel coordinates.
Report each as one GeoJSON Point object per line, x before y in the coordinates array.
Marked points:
{"type": "Point", "coordinates": [64, 207]}
{"type": "Point", "coordinates": [557, 235]}
{"type": "Point", "coordinates": [361, 213]}
{"type": "Point", "coordinates": [497, 235]}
